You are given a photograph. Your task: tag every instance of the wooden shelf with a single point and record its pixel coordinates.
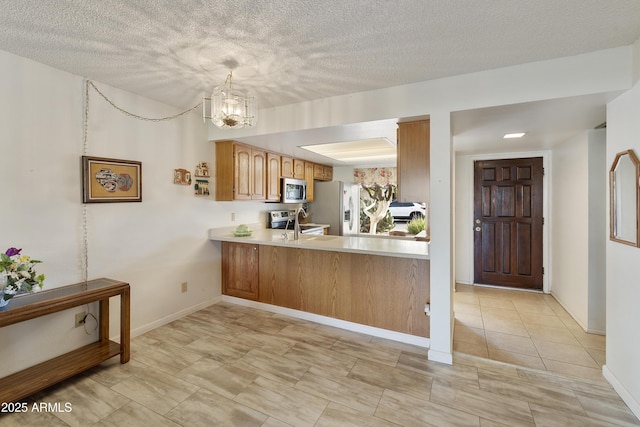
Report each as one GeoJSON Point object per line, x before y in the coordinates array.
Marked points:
{"type": "Point", "coordinates": [36, 378]}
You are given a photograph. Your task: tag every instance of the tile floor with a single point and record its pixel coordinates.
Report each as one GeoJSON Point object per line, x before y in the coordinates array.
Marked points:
{"type": "Point", "coordinates": [526, 329]}
{"type": "Point", "coordinates": [235, 366]}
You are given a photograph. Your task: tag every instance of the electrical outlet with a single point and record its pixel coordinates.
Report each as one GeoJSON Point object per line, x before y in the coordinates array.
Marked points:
{"type": "Point", "coordinates": [80, 317]}
{"type": "Point", "coordinates": [233, 216]}
{"type": "Point", "coordinates": [184, 287]}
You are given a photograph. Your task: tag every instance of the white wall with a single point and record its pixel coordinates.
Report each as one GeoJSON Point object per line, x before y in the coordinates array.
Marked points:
{"type": "Point", "coordinates": [578, 211]}
{"type": "Point", "coordinates": [623, 266]}
{"type": "Point", "coordinates": [154, 245]}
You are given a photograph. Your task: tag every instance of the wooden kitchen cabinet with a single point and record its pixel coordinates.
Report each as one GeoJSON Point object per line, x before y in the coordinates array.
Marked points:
{"type": "Point", "coordinates": [241, 172]}
{"type": "Point", "coordinates": [273, 177]}
{"type": "Point", "coordinates": [322, 172]}
{"type": "Point", "coordinates": [240, 272]}
{"type": "Point", "coordinates": [308, 176]}
{"type": "Point", "coordinates": [413, 161]}
{"type": "Point", "coordinates": [298, 169]}
{"type": "Point", "coordinates": [286, 168]}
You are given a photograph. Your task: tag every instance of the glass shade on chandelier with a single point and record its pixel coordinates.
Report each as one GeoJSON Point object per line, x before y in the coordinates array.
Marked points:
{"type": "Point", "coordinates": [230, 107]}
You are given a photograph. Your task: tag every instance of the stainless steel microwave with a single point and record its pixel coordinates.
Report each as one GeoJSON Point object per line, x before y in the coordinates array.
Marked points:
{"type": "Point", "coordinates": [293, 190]}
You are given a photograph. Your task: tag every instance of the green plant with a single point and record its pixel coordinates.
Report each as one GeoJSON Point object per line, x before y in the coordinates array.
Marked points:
{"type": "Point", "coordinates": [416, 225]}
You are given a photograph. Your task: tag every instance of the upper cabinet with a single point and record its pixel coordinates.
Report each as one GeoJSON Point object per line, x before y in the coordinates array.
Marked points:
{"type": "Point", "coordinates": [298, 169]}
{"type": "Point", "coordinates": [241, 172]}
{"type": "Point", "coordinates": [413, 161]}
{"type": "Point", "coordinates": [273, 177]}
{"type": "Point", "coordinates": [322, 172]}
{"type": "Point", "coordinates": [308, 176]}
{"type": "Point", "coordinates": [286, 168]}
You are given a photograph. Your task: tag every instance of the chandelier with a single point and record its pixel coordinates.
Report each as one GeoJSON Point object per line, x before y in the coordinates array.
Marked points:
{"type": "Point", "coordinates": [230, 107]}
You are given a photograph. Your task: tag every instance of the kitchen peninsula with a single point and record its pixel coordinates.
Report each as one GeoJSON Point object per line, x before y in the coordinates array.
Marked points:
{"type": "Point", "coordinates": [379, 283]}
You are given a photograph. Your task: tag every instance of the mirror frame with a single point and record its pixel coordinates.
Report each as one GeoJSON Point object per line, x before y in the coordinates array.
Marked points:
{"type": "Point", "coordinates": [612, 201]}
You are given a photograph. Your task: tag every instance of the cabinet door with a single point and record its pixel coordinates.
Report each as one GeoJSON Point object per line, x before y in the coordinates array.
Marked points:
{"type": "Point", "coordinates": [242, 181]}
{"type": "Point", "coordinates": [318, 172]}
{"type": "Point", "coordinates": [240, 270]}
{"type": "Point", "coordinates": [287, 167]}
{"type": "Point", "coordinates": [328, 173]}
{"type": "Point", "coordinates": [413, 161]}
{"type": "Point", "coordinates": [258, 175]}
{"type": "Point", "coordinates": [273, 177]}
{"type": "Point", "coordinates": [308, 176]}
{"type": "Point", "coordinates": [298, 169]}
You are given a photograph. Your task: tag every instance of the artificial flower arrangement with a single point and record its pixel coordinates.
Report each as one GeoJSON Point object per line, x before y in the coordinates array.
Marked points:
{"type": "Point", "coordinates": [19, 274]}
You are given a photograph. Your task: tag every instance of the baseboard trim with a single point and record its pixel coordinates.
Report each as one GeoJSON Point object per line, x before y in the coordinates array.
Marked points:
{"type": "Point", "coordinates": [168, 319]}
{"type": "Point", "coordinates": [330, 321]}
{"type": "Point", "coordinates": [633, 405]}
{"type": "Point", "coordinates": [439, 356]}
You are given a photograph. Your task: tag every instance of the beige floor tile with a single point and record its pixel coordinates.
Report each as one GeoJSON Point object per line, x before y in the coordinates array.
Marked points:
{"type": "Point", "coordinates": [408, 411]}
{"type": "Point", "coordinates": [563, 368]}
{"type": "Point", "coordinates": [467, 319]}
{"type": "Point", "coordinates": [492, 301]}
{"type": "Point", "coordinates": [272, 366]}
{"type": "Point", "coordinates": [519, 359]}
{"type": "Point", "coordinates": [156, 390]}
{"type": "Point", "coordinates": [520, 388]}
{"type": "Point", "coordinates": [495, 407]}
{"type": "Point", "coordinates": [90, 400]}
{"type": "Point", "coordinates": [328, 360]}
{"type": "Point", "coordinates": [466, 298]}
{"type": "Point", "coordinates": [564, 353]}
{"type": "Point", "coordinates": [511, 343]}
{"type": "Point", "coordinates": [222, 351]}
{"type": "Point", "coordinates": [470, 335]}
{"type": "Point", "coordinates": [367, 351]}
{"type": "Point", "coordinates": [164, 357]}
{"type": "Point", "coordinates": [609, 410]}
{"type": "Point", "coordinates": [473, 309]}
{"type": "Point", "coordinates": [571, 324]}
{"type": "Point", "coordinates": [507, 326]}
{"type": "Point", "coordinates": [340, 416]}
{"type": "Point", "coordinates": [227, 381]}
{"type": "Point", "coordinates": [541, 319]}
{"type": "Point", "coordinates": [499, 313]}
{"type": "Point", "coordinates": [550, 417]}
{"type": "Point", "coordinates": [411, 383]}
{"type": "Point", "coordinates": [135, 415]}
{"type": "Point", "coordinates": [30, 419]}
{"type": "Point", "coordinates": [305, 335]}
{"type": "Point", "coordinates": [559, 335]}
{"type": "Point", "coordinates": [209, 409]}
{"type": "Point", "coordinates": [284, 403]}
{"type": "Point", "coordinates": [593, 341]}
{"type": "Point", "coordinates": [534, 307]}
{"type": "Point", "coordinates": [348, 392]}
{"type": "Point", "coordinates": [599, 356]}
{"type": "Point", "coordinates": [479, 350]}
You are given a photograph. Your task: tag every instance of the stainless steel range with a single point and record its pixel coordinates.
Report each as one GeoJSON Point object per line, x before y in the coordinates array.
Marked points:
{"type": "Point", "coordinates": [285, 220]}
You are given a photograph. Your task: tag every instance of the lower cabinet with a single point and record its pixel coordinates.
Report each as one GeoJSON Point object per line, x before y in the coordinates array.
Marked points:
{"type": "Point", "coordinates": [240, 270]}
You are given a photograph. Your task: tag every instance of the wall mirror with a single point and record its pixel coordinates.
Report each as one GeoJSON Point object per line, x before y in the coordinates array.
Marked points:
{"type": "Point", "coordinates": [625, 198]}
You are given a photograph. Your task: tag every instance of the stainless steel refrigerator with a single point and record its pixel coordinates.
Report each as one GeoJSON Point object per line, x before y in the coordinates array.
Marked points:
{"type": "Point", "coordinates": [337, 203]}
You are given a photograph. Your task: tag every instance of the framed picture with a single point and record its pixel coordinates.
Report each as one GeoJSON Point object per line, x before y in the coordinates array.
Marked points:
{"type": "Point", "coordinates": [111, 180]}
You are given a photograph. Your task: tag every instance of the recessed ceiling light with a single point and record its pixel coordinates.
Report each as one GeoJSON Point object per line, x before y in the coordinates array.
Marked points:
{"type": "Point", "coordinates": [354, 152]}
{"type": "Point", "coordinates": [513, 135]}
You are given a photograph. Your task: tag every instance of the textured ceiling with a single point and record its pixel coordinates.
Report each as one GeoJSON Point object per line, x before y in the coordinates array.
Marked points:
{"type": "Point", "coordinates": [291, 51]}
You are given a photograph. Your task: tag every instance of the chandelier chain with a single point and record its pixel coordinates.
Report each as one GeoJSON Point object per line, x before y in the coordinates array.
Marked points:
{"type": "Point", "coordinates": [135, 116]}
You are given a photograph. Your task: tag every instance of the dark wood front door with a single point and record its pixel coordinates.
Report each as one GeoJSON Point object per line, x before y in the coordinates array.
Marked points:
{"type": "Point", "coordinates": [508, 223]}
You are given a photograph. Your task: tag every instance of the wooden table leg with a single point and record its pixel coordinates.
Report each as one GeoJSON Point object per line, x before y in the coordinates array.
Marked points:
{"type": "Point", "coordinates": [104, 320]}
{"type": "Point", "coordinates": [125, 320]}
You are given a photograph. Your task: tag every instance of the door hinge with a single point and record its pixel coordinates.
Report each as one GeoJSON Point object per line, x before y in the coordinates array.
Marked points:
{"type": "Point", "coordinates": [542, 220]}
{"type": "Point", "coordinates": [542, 270]}
{"type": "Point", "coordinates": [542, 171]}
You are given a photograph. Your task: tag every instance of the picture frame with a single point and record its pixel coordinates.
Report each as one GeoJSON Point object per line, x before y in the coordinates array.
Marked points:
{"type": "Point", "coordinates": [107, 180]}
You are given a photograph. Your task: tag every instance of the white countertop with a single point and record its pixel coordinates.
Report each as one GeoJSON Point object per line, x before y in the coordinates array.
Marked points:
{"type": "Point", "coordinates": [355, 244]}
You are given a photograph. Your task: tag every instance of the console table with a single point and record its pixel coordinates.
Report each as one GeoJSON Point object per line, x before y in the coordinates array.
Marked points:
{"type": "Point", "coordinates": [24, 307]}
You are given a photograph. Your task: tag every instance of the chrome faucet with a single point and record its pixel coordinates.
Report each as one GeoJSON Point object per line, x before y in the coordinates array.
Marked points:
{"type": "Point", "coordinates": [296, 224]}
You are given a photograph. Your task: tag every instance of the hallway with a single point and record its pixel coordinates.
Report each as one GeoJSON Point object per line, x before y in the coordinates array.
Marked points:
{"type": "Point", "coordinates": [526, 329]}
